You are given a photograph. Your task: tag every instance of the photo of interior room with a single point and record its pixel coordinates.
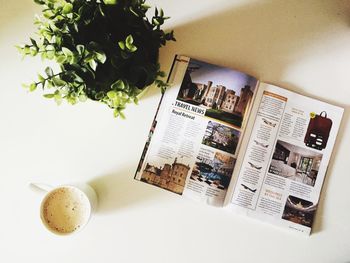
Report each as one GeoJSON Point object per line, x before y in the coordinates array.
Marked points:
{"type": "Point", "coordinates": [299, 211]}
{"type": "Point", "coordinates": [295, 163]}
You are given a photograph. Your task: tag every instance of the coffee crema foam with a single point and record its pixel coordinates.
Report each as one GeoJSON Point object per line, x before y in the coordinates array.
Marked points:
{"type": "Point", "coordinates": [65, 210]}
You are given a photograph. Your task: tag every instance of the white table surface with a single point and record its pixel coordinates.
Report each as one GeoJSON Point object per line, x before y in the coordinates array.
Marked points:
{"type": "Point", "coordinates": [301, 45]}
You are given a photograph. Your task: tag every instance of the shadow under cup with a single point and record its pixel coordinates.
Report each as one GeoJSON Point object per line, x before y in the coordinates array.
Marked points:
{"type": "Point", "coordinates": [67, 209]}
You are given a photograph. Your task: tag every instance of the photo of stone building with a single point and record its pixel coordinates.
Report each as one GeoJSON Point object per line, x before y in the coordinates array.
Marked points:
{"type": "Point", "coordinates": [225, 98]}
{"type": "Point", "coordinates": [231, 101]}
{"type": "Point", "coordinates": [171, 177]}
{"type": "Point", "coordinates": [244, 100]}
{"type": "Point", "coordinates": [221, 137]}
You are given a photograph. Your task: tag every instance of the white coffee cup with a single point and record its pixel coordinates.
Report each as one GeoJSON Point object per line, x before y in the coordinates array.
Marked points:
{"type": "Point", "coordinates": [66, 209]}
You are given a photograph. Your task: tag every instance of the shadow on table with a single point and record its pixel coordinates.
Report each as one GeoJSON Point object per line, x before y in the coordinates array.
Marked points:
{"type": "Point", "coordinates": [261, 38]}
{"type": "Point", "coordinates": [118, 190]}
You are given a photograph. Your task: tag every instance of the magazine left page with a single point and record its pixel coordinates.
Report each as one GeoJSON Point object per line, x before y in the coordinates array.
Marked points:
{"type": "Point", "coordinates": [196, 134]}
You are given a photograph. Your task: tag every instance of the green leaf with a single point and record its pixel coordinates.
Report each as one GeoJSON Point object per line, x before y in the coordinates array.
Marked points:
{"type": "Point", "coordinates": [99, 95]}
{"type": "Point", "coordinates": [67, 8]}
{"type": "Point", "coordinates": [122, 115]}
{"type": "Point", "coordinates": [80, 49]}
{"type": "Point", "coordinates": [71, 100]}
{"type": "Point", "coordinates": [49, 71]}
{"type": "Point", "coordinates": [77, 78]}
{"type": "Point", "coordinates": [132, 11]}
{"type": "Point", "coordinates": [74, 59]}
{"type": "Point", "coordinates": [58, 98]}
{"type": "Point", "coordinates": [48, 14]}
{"type": "Point", "coordinates": [39, 2]}
{"type": "Point", "coordinates": [145, 6]}
{"type": "Point", "coordinates": [92, 73]}
{"type": "Point", "coordinates": [88, 58]}
{"type": "Point", "coordinates": [118, 85]}
{"type": "Point", "coordinates": [111, 94]}
{"type": "Point", "coordinates": [32, 87]}
{"type": "Point", "coordinates": [155, 21]}
{"type": "Point", "coordinates": [129, 40]}
{"type": "Point", "coordinates": [76, 27]}
{"type": "Point", "coordinates": [41, 78]}
{"type": "Point", "coordinates": [61, 59]}
{"type": "Point", "coordinates": [59, 40]}
{"type": "Point", "coordinates": [128, 45]}
{"type": "Point", "coordinates": [37, 19]}
{"type": "Point", "coordinates": [49, 96]}
{"type": "Point", "coordinates": [49, 83]}
{"type": "Point", "coordinates": [43, 56]}
{"type": "Point", "coordinates": [50, 54]}
{"type": "Point", "coordinates": [110, 2]}
{"type": "Point", "coordinates": [82, 97]}
{"type": "Point", "coordinates": [58, 82]}
{"type": "Point", "coordinates": [115, 102]}
{"type": "Point", "coordinates": [136, 100]}
{"type": "Point", "coordinates": [93, 64]}
{"type": "Point", "coordinates": [33, 42]}
{"type": "Point", "coordinates": [19, 49]}
{"type": "Point", "coordinates": [33, 51]}
{"type": "Point", "coordinates": [101, 11]}
{"type": "Point", "coordinates": [24, 85]}
{"type": "Point", "coordinates": [121, 45]}
{"type": "Point", "coordinates": [26, 49]}
{"type": "Point", "coordinates": [161, 74]}
{"type": "Point", "coordinates": [101, 56]}
{"type": "Point", "coordinates": [67, 52]}
{"type": "Point", "coordinates": [132, 48]}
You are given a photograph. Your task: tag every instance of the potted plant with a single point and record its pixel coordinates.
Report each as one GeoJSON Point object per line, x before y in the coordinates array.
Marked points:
{"type": "Point", "coordinates": [107, 50]}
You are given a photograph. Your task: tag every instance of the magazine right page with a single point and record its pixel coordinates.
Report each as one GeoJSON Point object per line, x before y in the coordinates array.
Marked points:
{"type": "Point", "coordinates": [286, 159]}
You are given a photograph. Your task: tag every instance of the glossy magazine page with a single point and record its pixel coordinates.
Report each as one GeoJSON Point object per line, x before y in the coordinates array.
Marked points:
{"type": "Point", "coordinates": [196, 135]}
{"type": "Point", "coordinates": [286, 159]}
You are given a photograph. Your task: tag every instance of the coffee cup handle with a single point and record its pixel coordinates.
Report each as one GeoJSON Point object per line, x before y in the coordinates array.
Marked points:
{"type": "Point", "coordinates": [40, 188]}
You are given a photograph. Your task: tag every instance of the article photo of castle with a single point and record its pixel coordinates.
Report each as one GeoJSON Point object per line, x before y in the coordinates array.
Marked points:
{"type": "Point", "coordinates": [214, 172]}
{"type": "Point", "coordinates": [171, 176]}
{"type": "Point", "coordinates": [226, 94]}
{"type": "Point", "coordinates": [221, 137]}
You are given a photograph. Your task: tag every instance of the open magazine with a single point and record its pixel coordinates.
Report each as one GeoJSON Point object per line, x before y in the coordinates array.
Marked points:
{"type": "Point", "coordinates": [222, 137]}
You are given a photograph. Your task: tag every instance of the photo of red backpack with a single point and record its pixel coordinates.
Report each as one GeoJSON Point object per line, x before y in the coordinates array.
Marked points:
{"type": "Point", "coordinates": [318, 131]}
